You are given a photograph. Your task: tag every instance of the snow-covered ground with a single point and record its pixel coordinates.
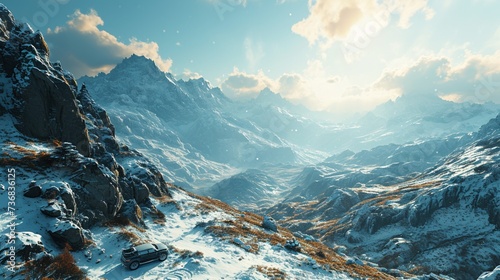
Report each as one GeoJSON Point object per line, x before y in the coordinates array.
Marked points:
{"type": "Point", "coordinates": [195, 253]}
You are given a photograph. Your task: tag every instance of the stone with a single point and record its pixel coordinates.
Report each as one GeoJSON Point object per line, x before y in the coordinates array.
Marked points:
{"type": "Point", "coordinates": [67, 232]}
{"type": "Point", "coordinates": [51, 192]}
{"type": "Point", "coordinates": [293, 245]}
{"type": "Point", "coordinates": [68, 198]}
{"type": "Point", "coordinates": [99, 193]}
{"type": "Point", "coordinates": [52, 210]}
{"type": "Point", "coordinates": [270, 224]}
{"type": "Point", "coordinates": [33, 191]}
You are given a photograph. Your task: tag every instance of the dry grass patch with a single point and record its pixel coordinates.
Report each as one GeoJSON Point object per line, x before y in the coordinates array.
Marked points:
{"type": "Point", "coordinates": [271, 272]}
{"type": "Point", "coordinates": [131, 237]}
{"type": "Point", "coordinates": [33, 160]}
{"type": "Point", "coordinates": [120, 221]}
{"type": "Point", "coordinates": [62, 266]}
{"type": "Point", "coordinates": [183, 254]}
{"type": "Point", "coordinates": [215, 205]}
{"type": "Point", "coordinates": [158, 217]}
{"type": "Point", "coordinates": [384, 199]}
{"type": "Point", "coordinates": [166, 200]}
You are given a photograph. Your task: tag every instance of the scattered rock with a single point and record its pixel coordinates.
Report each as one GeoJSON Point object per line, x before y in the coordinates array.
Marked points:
{"type": "Point", "coordinates": [293, 245]}
{"type": "Point", "coordinates": [88, 254]}
{"type": "Point", "coordinates": [354, 261]}
{"type": "Point", "coordinates": [33, 191]}
{"type": "Point", "coordinates": [51, 192]}
{"type": "Point", "coordinates": [240, 243]}
{"type": "Point", "coordinates": [52, 210]}
{"type": "Point", "coordinates": [270, 224]}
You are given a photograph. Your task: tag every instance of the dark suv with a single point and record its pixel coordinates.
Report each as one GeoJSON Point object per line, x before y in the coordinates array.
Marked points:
{"type": "Point", "coordinates": [134, 256]}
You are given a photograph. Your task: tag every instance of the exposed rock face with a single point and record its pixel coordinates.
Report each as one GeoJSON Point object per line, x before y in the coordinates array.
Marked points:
{"type": "Point", "coordinates": [99, 191]}
{"type": "Point", "coordinates": [131, 211]}
{"type": "Point", "coordinates": [43, 98]}
{"type": "Point", "coordinates": [94, 171]}
{"type": "Point", "coordinates": [50, 111]}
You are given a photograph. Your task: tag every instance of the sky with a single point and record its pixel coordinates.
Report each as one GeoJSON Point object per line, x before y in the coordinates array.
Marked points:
{"type": "Point", "coordinates": [344, 56]}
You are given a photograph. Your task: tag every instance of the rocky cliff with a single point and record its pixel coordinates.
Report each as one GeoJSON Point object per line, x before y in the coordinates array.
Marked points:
{"type": "Point", "coordinates": [54, 127]}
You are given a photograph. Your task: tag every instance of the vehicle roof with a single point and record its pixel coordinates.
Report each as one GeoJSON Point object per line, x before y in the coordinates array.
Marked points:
{"type": "Point", "coordinates": [161, 246]}
{"type": "Point", "coordinates": [144, 247]}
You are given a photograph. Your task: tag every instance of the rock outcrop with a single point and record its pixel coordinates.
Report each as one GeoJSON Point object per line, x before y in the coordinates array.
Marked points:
{"type": "Point", "coordinates": [95, 173]}
{"type": "Point", "coordinates": [43, 98]}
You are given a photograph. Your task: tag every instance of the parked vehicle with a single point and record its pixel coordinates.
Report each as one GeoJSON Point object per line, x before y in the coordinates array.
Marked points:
{"type": "Point", "coordinates": [137, 255]}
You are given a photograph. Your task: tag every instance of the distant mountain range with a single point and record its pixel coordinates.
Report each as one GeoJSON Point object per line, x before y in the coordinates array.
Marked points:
{"type": "Point", "coordinates": [200, 136]}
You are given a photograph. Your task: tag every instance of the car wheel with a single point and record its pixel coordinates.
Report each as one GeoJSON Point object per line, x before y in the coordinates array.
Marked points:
{"type": "Point", "coordinates": [134, 265]}
{"type": "Point", "coordinates": [163, 256]}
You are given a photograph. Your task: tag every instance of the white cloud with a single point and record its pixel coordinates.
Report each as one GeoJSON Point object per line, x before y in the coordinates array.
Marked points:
{"type": "Point", "coordinates": [188, 75]}
{"type": "Point", "coordinates": [243, 85]}
{"type": "Point", "coordinates": [84, 49]}
{"type": "Point", "coordinates": [331, 21]}
{"type": "Point", "coordinates": [476, 80]}
{"type": "Point", "coordinates": [313, 88]}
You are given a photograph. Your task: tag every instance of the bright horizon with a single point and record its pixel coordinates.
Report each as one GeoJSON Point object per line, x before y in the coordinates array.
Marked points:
{"type": "Point", "coordinates": [344, 57]}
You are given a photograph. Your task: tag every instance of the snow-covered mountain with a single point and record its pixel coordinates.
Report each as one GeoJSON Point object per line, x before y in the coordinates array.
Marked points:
{"type": "Point", "coordinates": [189, 127]}
{"type": "Point", "coordinates": [201, 137]}
{"type": "Point", "coordinates": [445, 219]}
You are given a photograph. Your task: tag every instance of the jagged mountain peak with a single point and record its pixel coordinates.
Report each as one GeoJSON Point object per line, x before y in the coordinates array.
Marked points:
{"type": "Point", "coordinates": [7, 18]}
{"type": "Point", "coordinates": [137, 66]}
{"type": "Point", "coordinates": [268, 97]}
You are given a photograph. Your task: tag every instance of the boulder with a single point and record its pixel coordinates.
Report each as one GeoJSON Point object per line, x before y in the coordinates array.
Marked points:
{"type": "Point", "coordinates": [293, 245]}
{"type": "Point", "coordinates": [33, 191]}
{"type": "Point", "coordinates": [68, 198]}
{"type": "Point", "coordinates": [52, 210]}
{"type": "Point", "coordinates": [144, 171]}
{"type": "Point", "coordinates": [270, 224]}
{"type": "Point", "coordinates": [51, 192]}
{"type": "Point", "coordinates": [67, 232]}
{"type": "Point", "coordinates": [354, 260]}
{"type": "Point", "coordinates": [99, 194]}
